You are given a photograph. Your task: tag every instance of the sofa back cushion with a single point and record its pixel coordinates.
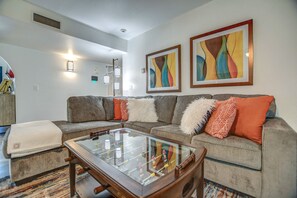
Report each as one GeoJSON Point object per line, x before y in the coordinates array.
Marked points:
{"type": "Point", "coordinates": [165, 107]}
{"type": "Point", "coordinates": [181, 104]}
{"type": "Point", "coordinates": [108, 107]}
{"type": "Point", "coordinates": [272, 108]}
{"type": "Point", "coordinates": [85, 108]}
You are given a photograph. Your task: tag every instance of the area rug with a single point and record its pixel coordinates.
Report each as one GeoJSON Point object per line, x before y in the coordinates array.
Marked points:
{"type": "Point", "coordinates": [56, 185]}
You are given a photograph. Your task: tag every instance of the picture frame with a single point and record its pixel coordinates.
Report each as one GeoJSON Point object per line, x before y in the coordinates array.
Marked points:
{"type": "Point", "coordinates": [163, 70]}
{"type": "Point", "coordinates": [222, 57]}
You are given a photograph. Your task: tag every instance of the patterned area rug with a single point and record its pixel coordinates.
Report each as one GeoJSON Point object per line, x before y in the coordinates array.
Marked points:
{"type": "Point", "coordinates": [56, 185]}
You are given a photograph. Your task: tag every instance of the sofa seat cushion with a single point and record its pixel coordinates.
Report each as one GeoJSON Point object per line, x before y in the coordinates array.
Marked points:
{"type": "Point", "coordinates": [143, 126]}
{"type": "Point", "coordinates": [232, 149]}
{"type": "Point", "coordinates": [172, 132]}
{"type": "Point", "coordinates": [74, 130]}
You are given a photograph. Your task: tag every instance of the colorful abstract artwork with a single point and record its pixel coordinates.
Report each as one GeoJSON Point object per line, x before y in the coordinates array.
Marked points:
{"type": "Point", "coordinates": [223, 57]}
{"type": "Point", "coordinates": [163, 70]}
{"type": "Point", "coordinates": [7, 78]}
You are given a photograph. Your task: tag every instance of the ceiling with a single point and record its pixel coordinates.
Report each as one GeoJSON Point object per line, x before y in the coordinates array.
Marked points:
{"type": "Point", "coordinates": [90, 28]}
{"type": "Point", "coordinates": [136, 16]}
{"type": "Point", "coordinates": [40, 38]}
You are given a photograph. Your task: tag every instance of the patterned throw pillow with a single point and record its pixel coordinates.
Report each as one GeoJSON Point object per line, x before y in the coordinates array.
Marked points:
{"type": "Point", "coordinates": [124, 110]}
{"type": "Point", "coordinates": [221, 119]}
{"type": "Point", "coordinates": [196, 115]}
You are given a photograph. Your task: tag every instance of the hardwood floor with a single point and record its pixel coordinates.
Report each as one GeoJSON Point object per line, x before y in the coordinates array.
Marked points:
{"type": "Point", "coordinates": [4, 163]}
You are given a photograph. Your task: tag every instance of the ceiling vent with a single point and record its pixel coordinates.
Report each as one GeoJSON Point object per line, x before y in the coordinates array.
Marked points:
{"type": "Point", "coordinates": [46, 21]}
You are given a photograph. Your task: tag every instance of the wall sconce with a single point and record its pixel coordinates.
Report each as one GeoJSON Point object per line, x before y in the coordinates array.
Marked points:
{"type": "Point", "coordinates": [70, 66]}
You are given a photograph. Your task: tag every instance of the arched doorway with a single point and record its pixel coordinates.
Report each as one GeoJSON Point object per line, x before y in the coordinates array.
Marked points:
{"type": "Point", "coordinates": [7, 108]}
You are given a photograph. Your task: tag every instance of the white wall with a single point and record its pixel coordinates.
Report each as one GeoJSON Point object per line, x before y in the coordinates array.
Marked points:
{"type": "Point", "coordinates": [35, 68]}
{"type": "Point", "coordinates": [275, 49]}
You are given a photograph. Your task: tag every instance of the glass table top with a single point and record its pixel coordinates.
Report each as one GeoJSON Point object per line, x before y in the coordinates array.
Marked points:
{"type": "Point", "coordinates": [143, 158]}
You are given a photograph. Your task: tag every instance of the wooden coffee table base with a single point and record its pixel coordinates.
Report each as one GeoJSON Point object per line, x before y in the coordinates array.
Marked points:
{"type": "Point", "coordinates": [184, 187]}
{"type": "Point", "coordinates": [127, 163]}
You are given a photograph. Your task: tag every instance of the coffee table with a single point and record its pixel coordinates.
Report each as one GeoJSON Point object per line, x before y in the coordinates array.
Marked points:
{"type": "Point", "coordinates": [129, 163]}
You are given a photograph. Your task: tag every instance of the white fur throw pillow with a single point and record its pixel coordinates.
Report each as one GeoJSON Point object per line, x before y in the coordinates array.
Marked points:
{"type": "Point", "coordinates": [196, 115]}
{"type": "Point", "coordinates": [142, 110]}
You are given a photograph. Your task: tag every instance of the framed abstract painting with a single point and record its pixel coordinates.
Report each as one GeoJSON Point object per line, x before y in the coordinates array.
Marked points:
{"type": "Point", "coordinates": [223, 57]}
{"type": "Point", "coordinates": [164, 70]}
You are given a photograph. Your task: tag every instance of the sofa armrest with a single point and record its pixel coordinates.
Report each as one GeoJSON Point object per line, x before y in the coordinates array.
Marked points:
{"type": "Point", "coordinates": [279, 159]}
{"type": "Point", "coordinates": [4, 144]}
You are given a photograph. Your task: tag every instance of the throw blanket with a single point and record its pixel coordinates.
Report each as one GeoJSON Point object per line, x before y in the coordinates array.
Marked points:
{"type": "Point", "coordinates": [33, 137]}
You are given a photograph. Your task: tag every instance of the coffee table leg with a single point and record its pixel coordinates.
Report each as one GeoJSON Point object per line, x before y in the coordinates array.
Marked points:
{"type": "Point", "coordinates": [72, 178]}
{"type": "Point", "coordinates": [199, 190]}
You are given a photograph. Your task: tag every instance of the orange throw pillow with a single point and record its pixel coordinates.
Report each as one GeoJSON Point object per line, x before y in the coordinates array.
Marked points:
{"type": "Point", "coordinates": [117, 109]}
{"type": "Point", "coordinates": [250, 117]}
{"type": "Point", "coordinates": [124, 110]}
{"type": "Point", "coordinates": [222, 118]}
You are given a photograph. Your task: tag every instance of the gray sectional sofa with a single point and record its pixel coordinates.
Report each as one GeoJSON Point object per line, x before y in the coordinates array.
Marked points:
{"type": "Point", "coordinates": [267, 170]}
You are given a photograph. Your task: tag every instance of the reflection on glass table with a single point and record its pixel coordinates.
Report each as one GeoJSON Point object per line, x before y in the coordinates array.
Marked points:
{"type": "Point", "coordinates": [143, 158]}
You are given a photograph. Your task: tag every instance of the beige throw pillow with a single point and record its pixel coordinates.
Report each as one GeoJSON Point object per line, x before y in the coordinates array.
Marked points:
{"type": "Point", "coordinates": [196, 115]}
{"type": "Point", "coordinates": [142, 110]}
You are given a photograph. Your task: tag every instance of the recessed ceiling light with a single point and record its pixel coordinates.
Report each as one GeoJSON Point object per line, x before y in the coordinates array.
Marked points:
{"type": "Point", "coordinates": [123, 30]}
